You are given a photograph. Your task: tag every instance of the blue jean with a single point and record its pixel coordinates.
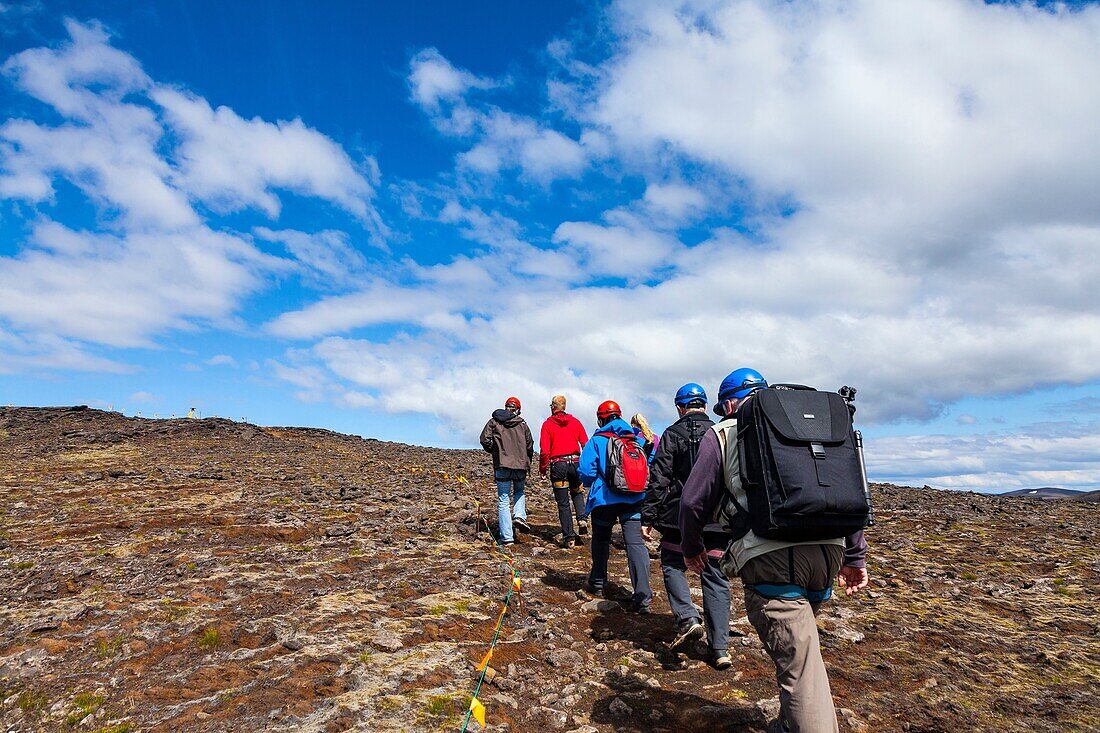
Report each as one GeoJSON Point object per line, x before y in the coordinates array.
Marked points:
{"type": "Point", "coordinates": [510, 482]}
{"type": "Point", "coordinates": [716, 597]}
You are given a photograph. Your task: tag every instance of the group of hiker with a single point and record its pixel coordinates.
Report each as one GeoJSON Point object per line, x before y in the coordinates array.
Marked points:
{"type": "Point", "coordinates": [774, 493]}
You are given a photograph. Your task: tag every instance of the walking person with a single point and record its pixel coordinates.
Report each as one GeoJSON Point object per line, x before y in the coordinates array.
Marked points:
{"type": "Point", "coordinates": [561, 441]}
{"type": "Point", "coordinates": [508, 439]}
{"type": "Point", "coordinates": [785, 581]}
{"type": "Point", "coordinates": [615, 471]}
{"type": "Point", "coordinates": [675, 455]}
{"type": "Point", "coordinates": [641, 428]}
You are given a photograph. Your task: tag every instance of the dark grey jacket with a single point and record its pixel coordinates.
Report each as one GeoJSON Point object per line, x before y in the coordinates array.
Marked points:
{"type": "Point", "coordinates": [508, 439]}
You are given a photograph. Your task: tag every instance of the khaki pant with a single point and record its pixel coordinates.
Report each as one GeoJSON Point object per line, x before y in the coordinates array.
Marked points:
{"type": "Point", "coordinates": [789, 632]}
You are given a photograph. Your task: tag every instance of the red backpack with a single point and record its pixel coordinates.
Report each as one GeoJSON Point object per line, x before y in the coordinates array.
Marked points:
{"type": "Point", "coordinates": [627, 469]}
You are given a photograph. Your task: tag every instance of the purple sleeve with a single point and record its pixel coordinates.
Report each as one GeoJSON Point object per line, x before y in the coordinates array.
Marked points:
{"type": "Point", "coordinates": [855, 550]}
{"type": "Point", "coordinates": [702, 492]}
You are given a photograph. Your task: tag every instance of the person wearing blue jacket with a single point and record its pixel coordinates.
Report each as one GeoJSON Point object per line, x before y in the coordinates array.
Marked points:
{"type": "Point", "coordinates": [606, 507]}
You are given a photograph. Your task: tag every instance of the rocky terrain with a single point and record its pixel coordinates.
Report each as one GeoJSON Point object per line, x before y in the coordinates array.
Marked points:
{"type": "Point", "coordinates": [206, 575]}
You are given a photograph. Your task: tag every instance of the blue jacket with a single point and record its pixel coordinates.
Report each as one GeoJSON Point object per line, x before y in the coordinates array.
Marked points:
{"type": "Point", "coordinates": [593, 463]}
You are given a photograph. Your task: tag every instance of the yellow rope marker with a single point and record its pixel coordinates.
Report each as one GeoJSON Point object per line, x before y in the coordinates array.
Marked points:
{"type": "Point", "coordinates": [477, 710]}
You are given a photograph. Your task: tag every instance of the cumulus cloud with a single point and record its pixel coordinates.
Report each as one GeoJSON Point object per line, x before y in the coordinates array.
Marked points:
{"type": "Point", "coordinates": [433, 80]}
{"type": "Point", "coordinates": [1050, 454]}
{"type": "Point", "coordinates": [120, 290]}
{"type": "Point", "coordinates": [905, 206]}
{"type": "Point", "coordinates": [222, 360]}
{"type": "Point", "coordinates": [145, 155]}
{"type": "Point", "coordinates": [499, 140]}
{"type": "Point", "coordinates": [232, 163]}
{"type": "Point", "coordinates": [326, 258]}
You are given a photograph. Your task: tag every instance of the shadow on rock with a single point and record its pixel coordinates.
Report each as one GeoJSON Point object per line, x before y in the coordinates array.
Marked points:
{"type": "Point", "coordinates": [633, 704]}
{"type": "Point", "coordinates": [562, 580]}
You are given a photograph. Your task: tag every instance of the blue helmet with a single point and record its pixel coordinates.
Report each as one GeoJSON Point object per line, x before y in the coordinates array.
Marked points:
{"type": "Point", "coordinates": [690, 392]}
{"type": "Point", "coordinates": [739, 383]}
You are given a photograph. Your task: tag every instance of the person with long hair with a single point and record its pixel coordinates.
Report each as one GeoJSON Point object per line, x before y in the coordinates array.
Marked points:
{"type": "Point", "coordinates": [650, 439]}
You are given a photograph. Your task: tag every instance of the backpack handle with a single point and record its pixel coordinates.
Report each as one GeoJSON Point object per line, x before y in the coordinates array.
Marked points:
{"type": "Point", "coordinates": [792, 386]}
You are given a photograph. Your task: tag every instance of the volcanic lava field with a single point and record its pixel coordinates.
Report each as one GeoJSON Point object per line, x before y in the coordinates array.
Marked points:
{"type": "Point", "coordinates": [208, 575]}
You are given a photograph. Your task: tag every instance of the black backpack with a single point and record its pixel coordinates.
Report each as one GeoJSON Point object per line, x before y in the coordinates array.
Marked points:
{"type": "Point", "coordinates": [801, 466]}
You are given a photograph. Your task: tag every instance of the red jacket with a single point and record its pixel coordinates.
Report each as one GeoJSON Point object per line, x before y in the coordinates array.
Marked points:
{"type": "Point", "coordinates": [562, 435]}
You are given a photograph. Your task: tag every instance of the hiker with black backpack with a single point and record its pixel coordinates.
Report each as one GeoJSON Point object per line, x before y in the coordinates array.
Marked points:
{"type": "Point", "coordinates": [614, 468]}
{"type": "Point", "coordinates": [508, 440]}
{"type": "Point", "coordinates": [676, 453]}
{"type": "Point", "coordinates": [783, 473]}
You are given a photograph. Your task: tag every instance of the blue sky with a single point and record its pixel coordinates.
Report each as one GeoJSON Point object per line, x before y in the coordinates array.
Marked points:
{"type": "Point", "coordinates": [384, 220]}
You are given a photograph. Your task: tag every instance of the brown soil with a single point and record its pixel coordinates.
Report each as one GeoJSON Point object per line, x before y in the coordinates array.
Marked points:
{"type": "Point", "coordinates": [217, 576]}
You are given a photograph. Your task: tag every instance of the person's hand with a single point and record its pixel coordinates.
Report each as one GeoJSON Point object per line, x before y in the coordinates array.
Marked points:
{"type": "Point", "coordinates": [853, 580]}
{"type": "Point", "coordinates": [542, 472]}
{"type": "Point", "coordinates": [698, 563]}
{"type": "Point", "coordinates": [647, 532]}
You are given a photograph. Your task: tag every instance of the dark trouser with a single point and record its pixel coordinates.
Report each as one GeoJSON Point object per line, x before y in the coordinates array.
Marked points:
{"type": "Point", "coordinates": [789, 631]}
{"type": "Point", "coordinates": [716, 597]}
{"type": "Point", "coordinates": [568, 493]}
{"type": "Point", "coordinates": [603, 521]}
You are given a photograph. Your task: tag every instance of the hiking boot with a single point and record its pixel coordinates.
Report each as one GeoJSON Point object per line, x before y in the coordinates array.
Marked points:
{"type": "Point", "coordinates": [777, 726]}
{"type": "Point", "coordinates": [521, 525]}
{"type": "Point", "coordinates": [582, 526]}
{"type": "Point", "coordinates": [568, 543]}
{"type": "Point", "coordinates": [687, 630]}
{"type": "Point", "coordinates": [639, 608]}
{"type": "Point", "coordinates": [722, 660]}
{"type": "Point", "coordinates": [593, 590]}
{"type": "Point", "coordinates": [507, 543]}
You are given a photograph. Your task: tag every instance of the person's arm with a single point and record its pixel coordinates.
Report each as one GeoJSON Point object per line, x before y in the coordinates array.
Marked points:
{"type": "Point", "coordinates": [487, 437]}
{"type": "Point", "coordinates": [702, 492]}
{"type": "Point", "coordinates": [855, 550]}
{"type": "Point", "coordinates": [589, 466]}
{"type": "Point", "coordinates": [544, 448]}
{"type": "Point", "coordinates": [853, 576]}
{"type": "Point", "coordinates": [530, 441]}
{"type": "Point", "coordinates": [660, 474]}
{"type": "Point", "coordinates": [582, 434]}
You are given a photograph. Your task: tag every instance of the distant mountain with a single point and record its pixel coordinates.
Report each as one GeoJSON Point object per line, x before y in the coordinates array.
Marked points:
{"type": "Point", "coordinates": [1051, 492]}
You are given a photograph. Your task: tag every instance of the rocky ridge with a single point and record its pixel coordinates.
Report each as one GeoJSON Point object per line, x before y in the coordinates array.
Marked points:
{"type": "Point", "coordinates": [218, 576]}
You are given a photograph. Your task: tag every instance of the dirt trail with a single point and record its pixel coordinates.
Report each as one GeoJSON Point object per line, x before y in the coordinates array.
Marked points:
{"type": "Point", "coordinates": [217, 576]}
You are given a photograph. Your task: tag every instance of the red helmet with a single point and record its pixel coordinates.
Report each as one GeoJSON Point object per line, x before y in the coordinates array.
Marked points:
{"type": "Point", "coordinates": [512, 403]}
{"type": "Point", "coordinates": [608, 409]}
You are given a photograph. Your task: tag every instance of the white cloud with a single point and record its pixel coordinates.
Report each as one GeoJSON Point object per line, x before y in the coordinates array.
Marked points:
{"type": "Point", "coordinates": [674, 200]}
{"type": "Point", "coordinates": [501, 140]}
{"type": "Point", "coordinates": [121, 290]}
{"type": "Point", "coordinates": [21, 353]}
{"type": "Point", "coordinates": [222, 360]}
{"type": "Point", "coordinates": [108, 146]}
{"type": "Point", "coordinates": [1053, 454]}
{"type": "Point", "coordinates": [909, 193]}
{"type": "Point", "coordinates": [378, 304]}
{"type": "Point", "coordinates": [433, 80]}
{"type": "Point", "coordinates": [327, 258]}
{"type": "Point", "coordinates": [144, 397]}
{"type": "Point", "coordinates": [232, 163]}
{"type": "Point", "coordinates": [615, 251]}
{"type": "Point", "coordinates": [143, 153]}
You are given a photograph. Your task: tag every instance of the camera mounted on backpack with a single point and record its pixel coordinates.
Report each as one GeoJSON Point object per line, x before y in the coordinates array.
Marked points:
{"type": "Point", "coordinates": [849, 395]}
